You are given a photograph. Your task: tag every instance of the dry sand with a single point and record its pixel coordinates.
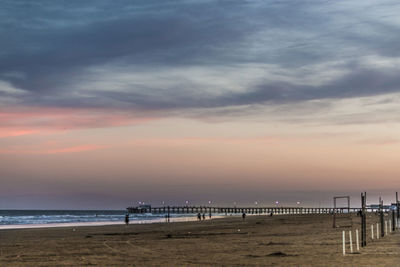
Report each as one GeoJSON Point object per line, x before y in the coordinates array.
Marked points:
{"type": "Point", "coordinates": [299, 240]}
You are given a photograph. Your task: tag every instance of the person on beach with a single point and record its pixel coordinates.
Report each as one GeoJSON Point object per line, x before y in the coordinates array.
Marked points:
{"type": "Point", "coordinates": [243, 216]}
{"type": "Point", "coordinates": [199, 216]}
{"type": "Point", "coordinates": [127, 219]}
{"type": "Point", "coordinates": [204, 216]}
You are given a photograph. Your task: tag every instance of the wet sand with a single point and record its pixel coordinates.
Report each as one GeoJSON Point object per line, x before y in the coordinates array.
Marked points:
{"type": "Point", "coordinates": [299, 240]}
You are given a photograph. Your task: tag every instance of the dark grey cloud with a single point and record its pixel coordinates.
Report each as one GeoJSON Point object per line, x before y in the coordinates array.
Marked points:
{"type": "Point", "coordinates": [49, 55]}
{"type": "Point", "coordinates": [49, 49]}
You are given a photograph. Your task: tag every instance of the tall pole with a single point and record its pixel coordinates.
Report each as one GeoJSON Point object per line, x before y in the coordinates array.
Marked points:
{"type": "Point", "coordinates": [363, 219]}
{"type": "Point", "coordinates": [381, 217]}
{"type": "Point", "coordinates": [397, 205]}
{"type": "Point", "coordinates": [393, 221]}
{"type": "Point", "coordinates": [348, 204]}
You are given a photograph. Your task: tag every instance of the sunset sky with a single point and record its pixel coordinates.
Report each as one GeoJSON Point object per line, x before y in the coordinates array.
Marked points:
{"type": "Point", "coordinates": [107, 103]}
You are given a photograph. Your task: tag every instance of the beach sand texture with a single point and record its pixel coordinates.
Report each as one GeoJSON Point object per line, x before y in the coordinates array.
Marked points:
{"type": "Point", "coordinates": [287, 240]}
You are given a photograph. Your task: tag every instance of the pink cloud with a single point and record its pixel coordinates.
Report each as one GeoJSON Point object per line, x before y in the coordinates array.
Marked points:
{"type": "Point", "coordinates": [13, 133]}
{"type": "Point", "coordinates": [28, 120]}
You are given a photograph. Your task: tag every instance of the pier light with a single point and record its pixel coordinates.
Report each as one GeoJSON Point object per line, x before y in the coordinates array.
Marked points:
{"type": "Point", "coordinates": [298, 202]}
{"type": "Point", "coordinates": [187, 202]}
{"type": "Point", "coordinates": [276, 202]}
{"type": "Point", "coordinates": [209, 202]}
{"type": "Point", "coordinates": [256, 202]}
{"type": "Point", "coordinates": [163, 202]}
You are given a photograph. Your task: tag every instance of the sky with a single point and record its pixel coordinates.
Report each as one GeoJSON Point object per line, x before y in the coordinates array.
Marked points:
{"type": "Point", "coordinates": [107, 103]}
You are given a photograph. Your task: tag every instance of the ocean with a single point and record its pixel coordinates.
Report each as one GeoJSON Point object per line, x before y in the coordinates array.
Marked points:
{"type": "Point", "coordinates": [10, 219]}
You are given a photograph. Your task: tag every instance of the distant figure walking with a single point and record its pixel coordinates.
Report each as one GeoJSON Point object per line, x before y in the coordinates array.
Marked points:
{"type": "Point", "coordinates": [271, 214]}
{"type": "Point", "coordinates": [199, 216]}
{"type": "Point", "coordinates": [204, 216]}
{"type": "Point", "coordinates": [127, 219]}
{"type": "Point", "coordinates": [243, 216]}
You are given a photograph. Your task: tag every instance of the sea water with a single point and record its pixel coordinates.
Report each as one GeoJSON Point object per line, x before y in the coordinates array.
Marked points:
{"type": "Point", "coordinates": [11, 219]}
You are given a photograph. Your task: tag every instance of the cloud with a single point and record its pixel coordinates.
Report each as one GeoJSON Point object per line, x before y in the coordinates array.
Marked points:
{"type": "Point", "coordinates": [191, 87]}
{"type": "Point", "coordinates": [12, 133]}
{"type": "Point", "coordinates": [50, 55]}
{"type": "Point", "coordinates": [183, 57]}
{"type": "Point", "coordinates": [18, 121]}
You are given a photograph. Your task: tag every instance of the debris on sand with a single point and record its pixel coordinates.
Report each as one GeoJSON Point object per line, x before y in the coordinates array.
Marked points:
{"type": "Point", "coordinates": [279, 254]}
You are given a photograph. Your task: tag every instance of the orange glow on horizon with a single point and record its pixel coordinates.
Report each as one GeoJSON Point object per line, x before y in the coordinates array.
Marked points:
{"type": "Point", "coordinates": [72, 149]}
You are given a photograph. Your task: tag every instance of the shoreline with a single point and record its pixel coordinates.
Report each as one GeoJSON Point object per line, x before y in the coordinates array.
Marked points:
{"type": "Point", "coordinates": [103, 223]}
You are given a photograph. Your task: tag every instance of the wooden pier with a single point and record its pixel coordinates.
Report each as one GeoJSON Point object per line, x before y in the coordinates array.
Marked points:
{"type": "Point", "coordinates": [240, 210]}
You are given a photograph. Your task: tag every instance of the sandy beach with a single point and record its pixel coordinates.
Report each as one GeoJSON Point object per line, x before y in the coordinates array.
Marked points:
{"type": "Point", "coordinates": [299, 240]}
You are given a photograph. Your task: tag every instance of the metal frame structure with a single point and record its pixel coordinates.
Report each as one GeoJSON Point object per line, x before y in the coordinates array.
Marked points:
{"type": "Point", "coordinates": [348, 222]}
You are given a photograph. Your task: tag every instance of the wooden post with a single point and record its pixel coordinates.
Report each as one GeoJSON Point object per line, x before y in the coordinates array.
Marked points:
{"type": "Point", "coordinates": [351, 242]}
{"type": "Point", "coordinates": [386, 228]}
{"type": "Point", "coordinates": [377, 230]}
{"type": "Point", "coordinates": [344, 243]}
{"type": "Point", "coordinates": [372, 231]}
{"type": "Point", "coordinates": [358, 245]}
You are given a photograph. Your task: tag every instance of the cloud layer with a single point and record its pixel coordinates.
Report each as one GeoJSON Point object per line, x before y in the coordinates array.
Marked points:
{"type": "Point", "coordinates": [195, 54]}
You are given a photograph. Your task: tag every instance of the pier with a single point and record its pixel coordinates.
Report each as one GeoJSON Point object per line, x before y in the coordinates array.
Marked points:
{"type": "Point", "coordinates": [247, 210]}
